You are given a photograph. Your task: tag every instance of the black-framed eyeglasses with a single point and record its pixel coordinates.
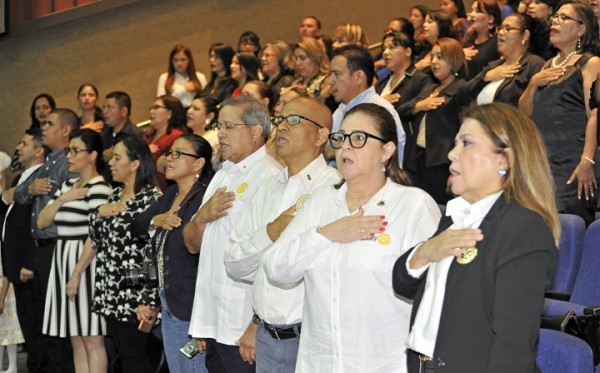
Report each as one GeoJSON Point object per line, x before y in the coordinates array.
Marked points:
{"type": "Point", "coordinates": [292, 120]}
{"type": "Point", "coordinates": [176, 154]}
{"type": "Point", "coordinates": [508, 28]}
{"type": "Point", "coordinates": [358, 139]}
{"type": "Point", "coordinates": [156, 107]}
{"type": "Point", "coordinates": [75, 151]}
{"type": "Point", "coordinates": [562, 18]}
{"type": "Point", "coordinates": [228, 125]}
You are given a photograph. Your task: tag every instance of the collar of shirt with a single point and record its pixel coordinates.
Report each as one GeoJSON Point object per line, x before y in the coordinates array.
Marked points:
{"type": "Point", "coordinates": [465, 214]}
{"type": "Point", "coordinates": [25, 175]}
{"type": "Point", "coordinates": [340, 196]}
{"type": "Point", "coordinates": [308, 174]}
{"type": "Point", "coordinates": [181, 78]}
{"type": "Point", "coordinates": [55, 154]}
{"type": "Point", "coordinates": [247, 163]}
{"type": "Point", "coordinates": [358, 99]}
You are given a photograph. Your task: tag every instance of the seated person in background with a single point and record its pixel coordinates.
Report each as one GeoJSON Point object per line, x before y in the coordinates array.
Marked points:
{"type": "Point", "coordinates": [437, 25]}
{"type": "Point", "coordinates": [481, 45]}
{"type": "Point", "coordinates": [455, 9]}
{"type": "Point", "coordinates": [349, 34]}
{"type": "Point", "coordinates": [249, 42]}
{"type": "Point", "coordinates": [417, 19]}
{"type": "Point", "coordinates": [167, 118]}
{"type": "Point", "coordinates": [261, 91]}
{"type": "Point", "coordinates": [405, 81]}
{"type": "Point", "coordinates": [91, 114]}
{"type": "Point", "coordinates": [310, 27]}
{"type": "Point", "coordinates": [115, 112]}
{"type": "Point", "coordinates": [493, 254]}
{"type": "Point", "coordinates": [277, 66]}
{"type": "Point", "coordinates": [221, 85]}
{"type": "Point", "coordinates": [182, 80]}
{"type": "Point", "coordinates": [311, 66]}
{"type": "Point", "coordinates": [244, 68]}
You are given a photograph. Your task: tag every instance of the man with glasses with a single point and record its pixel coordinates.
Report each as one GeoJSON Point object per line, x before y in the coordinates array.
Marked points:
{"type": "Point", "coordinates": [37, 192]}
{"type": "Point", "coordinates": [302, 131]}
{"type": "Point", "coordinates": [351, 80]}
{"type": "Point", "coordinates": [223, 305]}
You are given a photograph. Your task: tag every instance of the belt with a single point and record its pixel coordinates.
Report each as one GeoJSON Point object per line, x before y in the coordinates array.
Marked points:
{"type": "Point", "coordinates": [281, 333]}
{"type": "Point", "coordinates": [45, 242]}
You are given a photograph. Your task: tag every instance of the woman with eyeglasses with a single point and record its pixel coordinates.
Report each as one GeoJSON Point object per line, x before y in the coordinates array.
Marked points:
{"type": "Point", "coordinates": [117, 250]}
{"type": "Point", "coordinates": [343, 242]}
{"type": "Point", "coordinates": [405, 81]}
{"type": "Point", "coordinates": [188, 165]}
{"type": "Point", "coordinates": [558, 99]}
{"type": "Point", "coordinates": [520, 39]}
{"type": "Point", "coordinates": [69, 210]}
{"type": "Point", "coordinates": [168, 119]}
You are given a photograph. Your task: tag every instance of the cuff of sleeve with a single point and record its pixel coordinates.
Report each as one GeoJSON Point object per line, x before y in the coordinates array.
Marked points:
{"type": "Point", "coordinates": [416, 273]}
{"type": "Point", "coordinates": [261, 237]}
{"type": "Point", "coordinates": [321, 241]}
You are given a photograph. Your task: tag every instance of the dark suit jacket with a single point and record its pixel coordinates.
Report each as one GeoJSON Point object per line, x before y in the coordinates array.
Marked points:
{"type": "Point", "coordinates": [492, 306]}
{"type": "Point", "coordinates": [442, 124]}
{"type": "Point", "coordinates": [410, 87]}
{"type": "Point", "coordinates": [510, 90]}
{"type": "Point", "coordinates": [180, 267]}
{"type": "Point", "coordinates": [18, 248]}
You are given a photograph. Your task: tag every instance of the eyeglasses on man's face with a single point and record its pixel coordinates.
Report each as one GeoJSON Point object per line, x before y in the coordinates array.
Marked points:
{"type": "Point", "coordinates": [358, 139]}
{"type": "Point", "coordinates": [227, 125]}
{"type": "Point", "coordinates": [176, 154]}
{"type": "Point", "coordinates": [292, 120]}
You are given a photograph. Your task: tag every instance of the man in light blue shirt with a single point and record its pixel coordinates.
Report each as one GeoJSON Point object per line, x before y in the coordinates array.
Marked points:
{"type": "Point", "coordinates": [351, 79]}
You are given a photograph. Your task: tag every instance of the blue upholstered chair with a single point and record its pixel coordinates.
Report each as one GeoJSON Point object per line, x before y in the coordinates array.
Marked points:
{"type": "Point", "coordinates": [570, 250]}
{"type": "Point", "coordinates": [561, 353]}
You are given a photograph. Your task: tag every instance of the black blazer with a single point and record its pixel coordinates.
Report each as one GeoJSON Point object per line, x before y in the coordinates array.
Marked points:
{"type": "Point", "coordinates": [511, 89]}
{"type": "Point", "coordinates": [18, 249]}
{"type": "Point", "coordinates": [180, 266]}
{"type": "Point", "coordinates": [410, 87]}
{"type": "Point", "coordinates": [442, 124]}
{"type": "Point", "coordinates": [491, 311]}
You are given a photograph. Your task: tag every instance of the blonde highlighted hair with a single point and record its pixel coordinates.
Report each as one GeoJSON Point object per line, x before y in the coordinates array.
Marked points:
{"type": "Point", "coordinates": [529, 180]}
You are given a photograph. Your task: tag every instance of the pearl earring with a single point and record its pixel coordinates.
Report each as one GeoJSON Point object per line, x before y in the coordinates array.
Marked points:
{"type": "Point", "coordinates": [579, 45]}
{"type": "Point", "coordinates": [502, 171]}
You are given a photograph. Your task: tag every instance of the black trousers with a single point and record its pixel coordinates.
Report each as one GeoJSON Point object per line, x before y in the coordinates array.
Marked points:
{"type": "Point", "coordinates": [132, 346]}
{"type": "Point", "coordinates": [221, 358]}
{"type": "Point", "coordinates": [30, 325]}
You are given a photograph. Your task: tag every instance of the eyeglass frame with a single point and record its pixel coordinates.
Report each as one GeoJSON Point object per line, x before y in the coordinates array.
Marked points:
{"type": "Point", "coordinates": [509, 28]}
{"type": "Point", "coordinates": [276, 121]}
{"type": "Point", "coordinates": [228, 125]}
{"type": "Point", "coordinates": [75, 151]}
{"type": "Point", "coordinates": [349, 137]}
{"type": "Point", "coordinates": [176, 154]}
{"type": "Point", "coordinates": [562, 18]}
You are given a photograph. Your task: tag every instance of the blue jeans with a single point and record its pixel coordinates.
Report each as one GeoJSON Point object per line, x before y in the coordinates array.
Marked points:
{"type": "Point", "coordinates": [175, 335]}
{"type": "Point", "coordinates": [273, 355]}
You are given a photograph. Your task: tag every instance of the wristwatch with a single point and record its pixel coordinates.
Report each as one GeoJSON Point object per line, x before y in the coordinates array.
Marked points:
{"type": "Point", "coordinates": [152, 225]}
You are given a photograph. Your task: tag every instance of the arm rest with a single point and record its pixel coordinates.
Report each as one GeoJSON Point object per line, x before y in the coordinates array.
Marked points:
{"type": "Point", "coordinates": [558, 296]}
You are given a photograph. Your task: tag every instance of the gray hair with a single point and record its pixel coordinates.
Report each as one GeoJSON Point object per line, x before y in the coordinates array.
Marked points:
{"type": "Point", "coordinates": [254, 112]}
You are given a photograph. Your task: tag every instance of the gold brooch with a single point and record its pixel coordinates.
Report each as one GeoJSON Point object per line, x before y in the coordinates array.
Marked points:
{"type": "Point", "coordinates": [301, 201]}
{"type": "Point", "coordinates": [384, 238]}
{"type": "Point", "coordinates": [241, 189]}
{"type": "Point", "coordinates": [467, 255]}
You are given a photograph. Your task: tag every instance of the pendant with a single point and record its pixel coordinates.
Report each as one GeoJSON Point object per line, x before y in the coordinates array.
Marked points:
{"type": "Point", "coordinates": [467, 254]}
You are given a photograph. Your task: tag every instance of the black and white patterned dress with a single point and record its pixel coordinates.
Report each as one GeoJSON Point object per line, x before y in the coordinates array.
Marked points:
{"type": "Point", "coordinates": [62, 317]}
{"type": "Point", "coordinates": [118, 247]}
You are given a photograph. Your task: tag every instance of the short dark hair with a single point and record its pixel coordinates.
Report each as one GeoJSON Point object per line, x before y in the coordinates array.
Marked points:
{"type": "Point", "coordinates": [36, 135]}
{"type": "Point", "coordinates": [122, 99]}
{"type": "Point", "coordinates": [401, 39]}
{"type": "Point", "coordinates": [315, 18]}
{"type": "Point", "coordinates": [92, 141]}
{"type": "Point", "coordinates": [137, 149]}
{"type": "Point", "coordinates": [265, 90]}
{"type": "Point", "coordinates": [358, 58]}
{"type": "Point", "coordinates": [202, 149]}
{"type": "Point", "coordinates": [67, 117]}
{"type": "Point", "coordinates": [253, 37]}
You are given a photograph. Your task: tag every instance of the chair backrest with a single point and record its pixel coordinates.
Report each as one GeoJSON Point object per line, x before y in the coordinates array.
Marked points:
{"type": "Point", "coordinates": [570, 250]}
{"type": "Point", "coordinates": [560, 352]}
{"type": "Point", "coordinates": [587, 290]}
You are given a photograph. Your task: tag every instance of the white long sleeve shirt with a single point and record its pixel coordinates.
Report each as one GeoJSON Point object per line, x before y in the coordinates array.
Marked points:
{"type": "Point", "coordinates": [222, 305]}
{"type": "Point", "coordinates": [186, 97]}
{"type": "Point", "coordinates": [277, 305]}
{"type": "Point", "coordinates": [352, 319]}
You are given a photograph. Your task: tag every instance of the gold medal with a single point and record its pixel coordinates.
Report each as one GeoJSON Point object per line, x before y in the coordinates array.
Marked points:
{"type": "Point", "coordinates": [301, 201]}
{"type": "Point", "coordinates": [241, 189]}
{"type": "Point", "coordinates": [384, 238]}
{"type": "Point", "coordinates": [467, 254]}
